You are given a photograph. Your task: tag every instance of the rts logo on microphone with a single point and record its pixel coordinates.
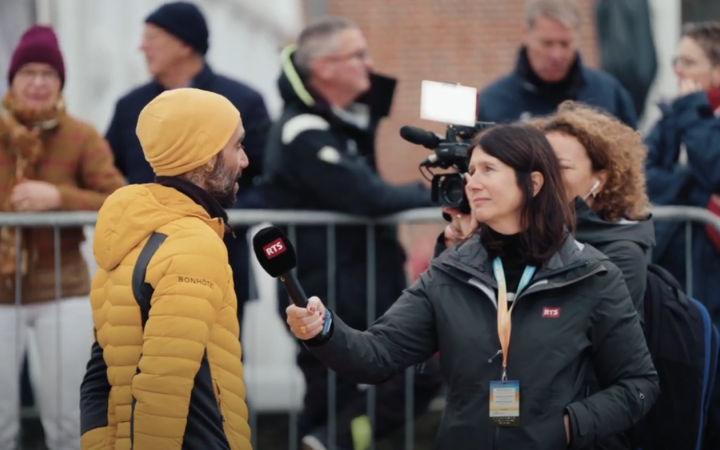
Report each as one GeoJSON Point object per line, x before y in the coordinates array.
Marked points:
{"type": "Point", "coordinates": [275, 248]}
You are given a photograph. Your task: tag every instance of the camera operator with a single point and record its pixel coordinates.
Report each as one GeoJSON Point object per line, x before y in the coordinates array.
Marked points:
{"type": "Point", "coordinates": [320, 156]}
{"type": "Point", "coordinates": [460, 227]}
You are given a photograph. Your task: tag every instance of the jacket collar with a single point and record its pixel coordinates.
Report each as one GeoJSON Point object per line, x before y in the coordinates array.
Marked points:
{"type": "Point", "coordinates": [571, 86]}
{"type": "Point", "coordinates": [199, 196]}
{"type": "Point", "coordinates": [203, 80]}
{"type": "Point", "coordinates": [471, 259]}
{"type": "Point", "coordinates": [592, 229]}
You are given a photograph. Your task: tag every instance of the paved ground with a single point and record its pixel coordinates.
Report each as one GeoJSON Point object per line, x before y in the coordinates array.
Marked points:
{"type": "Point", "coordinates": [272, 432]}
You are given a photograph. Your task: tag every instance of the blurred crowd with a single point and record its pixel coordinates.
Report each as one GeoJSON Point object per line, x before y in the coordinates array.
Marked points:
{"type": "Point", "coordinates": [320, 154]}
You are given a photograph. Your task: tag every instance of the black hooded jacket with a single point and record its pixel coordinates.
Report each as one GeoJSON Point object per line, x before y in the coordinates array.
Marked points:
{"type": "Point", "coordinates": [319, 158]}
{"type": "Point", "coordinates": [452, 309]}
{"type": "Point", "coordinates": [626, 243]}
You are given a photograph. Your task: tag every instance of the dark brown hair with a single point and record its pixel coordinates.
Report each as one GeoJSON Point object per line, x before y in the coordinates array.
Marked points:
{"type": "Point", "coordinates": [707, 36]}
{"type": "Point", "coordinates": [545, 217]}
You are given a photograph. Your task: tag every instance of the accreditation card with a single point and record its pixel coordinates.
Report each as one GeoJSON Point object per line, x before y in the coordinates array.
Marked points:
{"type": "Point", "coordinates": [505, 403]}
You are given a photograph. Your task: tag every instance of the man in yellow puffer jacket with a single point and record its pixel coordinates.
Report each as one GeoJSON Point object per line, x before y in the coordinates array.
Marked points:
{"type": "Point", "coordinates": [177, 382]}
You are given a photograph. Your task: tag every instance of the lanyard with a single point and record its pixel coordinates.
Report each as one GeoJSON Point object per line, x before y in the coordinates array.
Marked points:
{"type": "Point", "coordinates": [504, 323]}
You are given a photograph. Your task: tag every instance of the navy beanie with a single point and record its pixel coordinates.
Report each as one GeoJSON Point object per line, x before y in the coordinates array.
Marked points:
{"type": "Point", "coordinates": [184, 21]}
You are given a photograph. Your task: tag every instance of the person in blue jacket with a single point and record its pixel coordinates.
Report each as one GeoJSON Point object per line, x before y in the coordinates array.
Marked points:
{"type": "Point", "coordinates": [175, 41]}
{"type": "Point", "coordinates": [683, 168]}
{"type": "Point", "coordinates": [549, 71]}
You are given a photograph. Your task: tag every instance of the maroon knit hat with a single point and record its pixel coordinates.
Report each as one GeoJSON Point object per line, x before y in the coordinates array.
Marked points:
{"type": "Point", "coordinates": [37, 45]}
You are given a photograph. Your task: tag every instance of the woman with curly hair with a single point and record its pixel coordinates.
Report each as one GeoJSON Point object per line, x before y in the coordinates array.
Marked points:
{"type": "Point", "coordinates": [602, 162]}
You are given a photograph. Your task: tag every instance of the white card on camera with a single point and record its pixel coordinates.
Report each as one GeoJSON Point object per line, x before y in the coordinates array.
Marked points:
{"type": "Point", "coordinates": [448, 103]}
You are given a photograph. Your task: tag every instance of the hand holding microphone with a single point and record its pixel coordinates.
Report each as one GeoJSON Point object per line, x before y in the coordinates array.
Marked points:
{"type": "Point", "coordinates": [276, 255]}
{"type": "Point", "coordinates": [306, 323]}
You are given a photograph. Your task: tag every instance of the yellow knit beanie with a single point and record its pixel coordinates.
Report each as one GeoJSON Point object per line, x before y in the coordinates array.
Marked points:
{"type": "Point", "coordinates": [182, 129]}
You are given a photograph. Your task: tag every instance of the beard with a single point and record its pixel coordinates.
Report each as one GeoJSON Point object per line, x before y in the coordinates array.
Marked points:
{"type": "Point", "coordinates": [220, 184]}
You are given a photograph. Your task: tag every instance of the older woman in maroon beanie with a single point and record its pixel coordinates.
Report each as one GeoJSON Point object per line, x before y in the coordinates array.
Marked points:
{"type": "Point", "coordinates": [49, 161]}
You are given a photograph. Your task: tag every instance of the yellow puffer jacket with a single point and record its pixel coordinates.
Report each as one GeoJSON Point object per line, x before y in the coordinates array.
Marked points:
{"type": "Point", "coordinates": [179, 383]}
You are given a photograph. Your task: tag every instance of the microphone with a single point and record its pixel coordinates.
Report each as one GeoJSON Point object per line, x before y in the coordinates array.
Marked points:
{"type": "Point", "coordinates": [277, 257]}
{"type": "Point", "coordinates": [419, 136]}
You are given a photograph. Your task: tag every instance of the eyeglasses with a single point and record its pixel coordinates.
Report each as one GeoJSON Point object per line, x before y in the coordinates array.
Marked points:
{"type": "Point", "coordinates": [45, 76]}
{"type": "Point", "coordinates": [360, 55]}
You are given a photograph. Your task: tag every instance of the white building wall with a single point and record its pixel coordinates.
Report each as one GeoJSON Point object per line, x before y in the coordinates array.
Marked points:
{"type": "Point", "coordinates": [666, 28]}
{"type": "Point", "coordinates": [100, 40]}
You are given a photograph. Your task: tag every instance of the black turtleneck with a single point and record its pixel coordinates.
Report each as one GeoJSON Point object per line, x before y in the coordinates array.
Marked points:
{"type": "Point", "coordinates": [196, 194]}
{"type": "Point", "coordinates": [509, 249]}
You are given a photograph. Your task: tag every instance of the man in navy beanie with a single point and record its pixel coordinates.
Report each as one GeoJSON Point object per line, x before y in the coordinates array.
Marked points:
{"type": "Point", "coordinates": [175, 41]}
{"type": "Point", "coordinates": [184, 21]}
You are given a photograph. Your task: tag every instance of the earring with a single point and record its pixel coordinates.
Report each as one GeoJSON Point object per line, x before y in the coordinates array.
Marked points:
{"type": "Point", "coordinates": [209, 168]}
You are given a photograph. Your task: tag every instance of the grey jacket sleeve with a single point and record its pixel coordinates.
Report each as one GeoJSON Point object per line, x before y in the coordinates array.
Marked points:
{"type": "Point", "coordinates": [622, 364]}
{"type": "Point", "coordinates": [404, 336]}
{"type": "Point", "coordinates": [632, 262]}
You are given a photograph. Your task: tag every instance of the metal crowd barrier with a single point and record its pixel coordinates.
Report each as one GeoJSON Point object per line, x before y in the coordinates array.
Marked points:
{"type": "Point", "coordinates": [59, 220]}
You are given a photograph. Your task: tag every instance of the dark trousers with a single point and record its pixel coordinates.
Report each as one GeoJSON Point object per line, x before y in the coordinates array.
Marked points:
{"type": "Point", "coordinates": [352, 402]}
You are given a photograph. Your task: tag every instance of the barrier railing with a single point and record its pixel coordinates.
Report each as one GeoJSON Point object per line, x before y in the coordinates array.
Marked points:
{"type": "Point", "coordinates": [292, 219]}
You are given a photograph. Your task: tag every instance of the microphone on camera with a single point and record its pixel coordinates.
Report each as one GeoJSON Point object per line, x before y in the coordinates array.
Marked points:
{"type": "Point", "coordinates": [418, 136]}
{"type": "Point", "coordinates": [277, 257]}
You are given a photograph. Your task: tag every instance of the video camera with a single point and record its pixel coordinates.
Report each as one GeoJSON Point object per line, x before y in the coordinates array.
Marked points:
{"type": "Point", "coordinates": [455, 105]}
{"type": "Point", "coordinates": [449, 152]}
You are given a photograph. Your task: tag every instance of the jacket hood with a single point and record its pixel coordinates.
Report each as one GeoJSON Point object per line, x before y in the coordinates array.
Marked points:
{"type": "Point", "coordinates": [291, 85]}
{"type": "Point", "coordinates": [593, 230]}
{"type": "Point", "coordinates": [132, 213]}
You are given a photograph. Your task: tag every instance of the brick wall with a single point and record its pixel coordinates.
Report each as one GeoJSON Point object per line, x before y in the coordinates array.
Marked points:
{"type": "Point", "coordinates": [470, 42]}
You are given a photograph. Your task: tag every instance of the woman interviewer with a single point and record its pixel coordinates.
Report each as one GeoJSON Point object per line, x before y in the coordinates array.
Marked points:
{"type": "Point", "coordinates": [575, 315]}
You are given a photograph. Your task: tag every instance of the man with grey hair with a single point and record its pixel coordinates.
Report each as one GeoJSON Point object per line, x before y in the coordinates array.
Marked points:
{"type": "Point", "coordinates": [321, 156]}
{"type": "Point", "coordinates": [549, 70]}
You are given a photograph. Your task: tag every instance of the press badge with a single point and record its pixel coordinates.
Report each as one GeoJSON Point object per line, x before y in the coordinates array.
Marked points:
{"type": "Point", "coordinates": [505, 403]}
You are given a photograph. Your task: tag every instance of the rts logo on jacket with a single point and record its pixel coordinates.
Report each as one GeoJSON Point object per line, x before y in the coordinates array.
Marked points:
{"type": "Point", "coordinates": [550, 312]}
{"type": "Point", "coordinates": [275, 248]}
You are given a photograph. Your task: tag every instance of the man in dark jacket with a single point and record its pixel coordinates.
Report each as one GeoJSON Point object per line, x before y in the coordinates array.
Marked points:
{"type": "Point", "coordinates": [175, 41]}
{"type": "Point", "coordinates": [320, 156]}
{"type": "Point", "coordinates": [549, 70]}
